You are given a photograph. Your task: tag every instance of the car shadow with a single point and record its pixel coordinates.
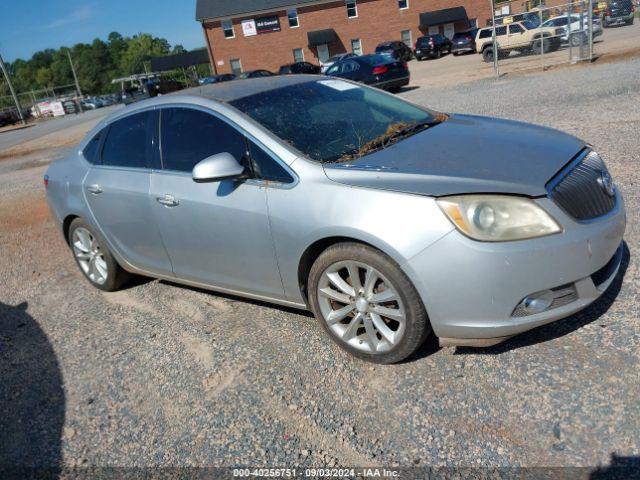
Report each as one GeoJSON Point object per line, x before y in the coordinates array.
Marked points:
{"type": "Point", "coordinates": [32, 399]}
{"type": "Point", "coordinates": [407, 89]}
{"type": "Point", "coordinates": [564, 326]}
{"type": "Point", "coordinates": [621, 468]}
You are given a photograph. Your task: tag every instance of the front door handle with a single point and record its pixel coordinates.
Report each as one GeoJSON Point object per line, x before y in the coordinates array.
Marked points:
{"type": "Point", "coordinates": [168, 201]}
{"type": "Point", "coordinates": [94, 189]}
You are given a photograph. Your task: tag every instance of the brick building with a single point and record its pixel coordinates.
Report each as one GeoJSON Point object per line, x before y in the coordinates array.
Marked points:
{"type": "Point", "coordinates": [244, 35]}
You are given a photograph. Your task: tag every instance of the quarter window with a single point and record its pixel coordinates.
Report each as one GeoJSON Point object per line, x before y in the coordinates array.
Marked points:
{"type": "Point", "coordinates": [515, 29]}
{"type": "Point", "coordinates": [90, 151]}
{"type": "Point", "coordinates": [227, 29]}
{"type": "Point", "coordinates": [403, 4]}
{"type": "Point", "coordinates": [352, 8]}
{"type": "Point", "coordinates": [129, 142]}
{"type": "Point", "coordinates": [356, 46]}
{"type": "Point", "coordinates": [292, 15]}
{"type": "Point", "coordinates": [189, 136]}
{"type": "Point", "coordinates": [298, 55]}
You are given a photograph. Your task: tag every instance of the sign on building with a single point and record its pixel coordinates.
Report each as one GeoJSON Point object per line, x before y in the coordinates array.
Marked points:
{"type": "Point", "coordinates": [267, 24]}
{"type": "Point", "coordinates": [249, 28]}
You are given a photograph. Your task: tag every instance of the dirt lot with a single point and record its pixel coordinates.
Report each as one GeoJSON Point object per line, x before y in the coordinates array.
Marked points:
{"type": "Point", "coordinates": [162, 375]}
{"type": "Point", "coordinates": [615, 42]}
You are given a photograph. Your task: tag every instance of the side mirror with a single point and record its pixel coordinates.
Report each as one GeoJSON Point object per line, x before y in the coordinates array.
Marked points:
{"type": "Point", "coordinates": [221, 166]}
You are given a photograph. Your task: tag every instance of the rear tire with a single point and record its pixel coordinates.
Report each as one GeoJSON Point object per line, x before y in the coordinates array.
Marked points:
{"type": "Point", "coordinates": [487, 54]}
{"type": "Point", "coordinates": [385, 320]}
{"type": "Point", "coordinates": [93, 257]}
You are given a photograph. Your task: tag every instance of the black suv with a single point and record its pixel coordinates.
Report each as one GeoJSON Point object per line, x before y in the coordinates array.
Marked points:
{"type": "Point", "coordinates": [619, 12]}
{"type": "Point", "coordinates": [432, 46]}
{"type": "Point", "coordinates": [397, 50]}
{"type": "Point", "coordinates": [299, 67]}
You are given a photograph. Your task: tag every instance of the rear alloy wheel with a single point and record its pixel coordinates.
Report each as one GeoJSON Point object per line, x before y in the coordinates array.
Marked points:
{"type": "Point", "coordinates": [367, 304]}
{"type": "Point", "coordinates": [578, 39]}
{"type": "Point", "coordinates": [94, 258]}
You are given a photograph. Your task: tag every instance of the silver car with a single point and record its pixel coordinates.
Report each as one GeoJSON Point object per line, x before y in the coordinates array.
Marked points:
{"type": "Point", "coordinates": [388, 220]}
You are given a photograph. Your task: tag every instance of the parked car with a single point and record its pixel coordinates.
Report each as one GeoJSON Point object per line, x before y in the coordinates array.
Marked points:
{"type": "Point", "coordinates": [382, 71]}
{"type": "Point", "coordinates": [299, 67]}
{"type": "Point", "coordinates": [432, 46]}
{"type": "Point", "coordinates": [255, 74]}
{"type": "Point", "coordinates": [91, 104]}
{"type": "Point", "coordinates": [523, 37]}
{"type": "Point", "coordinates": [532, 17]}
{"type": "Point", "coordinates": [225, 77]}
{"type": "Point", "coordinates": [578, 25]}
{"type": "Point", "coordinates": [464, 42]}
{"type": "Point", "coordinates": [399, 50]}
{"type": "Point", "coordinates": [329, 195]}
{"type": "Point", "coordinates": [8, 117]}
{"type": "Point", "coordinates": [619, 12]}
{"type": "Point", "coordinates": [324, 66]}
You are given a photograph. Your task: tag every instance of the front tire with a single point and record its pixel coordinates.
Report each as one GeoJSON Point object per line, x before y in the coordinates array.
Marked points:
{"type": "Point", "coordinates": [94, 258]}
{"type": "Point", "coordinates": [366, 303]}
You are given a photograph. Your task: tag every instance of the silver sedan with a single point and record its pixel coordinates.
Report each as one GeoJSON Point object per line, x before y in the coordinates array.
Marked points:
{"type": "Point", "coordinates": [388, 220]}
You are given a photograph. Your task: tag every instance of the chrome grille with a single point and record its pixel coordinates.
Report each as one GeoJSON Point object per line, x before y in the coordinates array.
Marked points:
{"type": "Point", "coordinates": [580, 191]}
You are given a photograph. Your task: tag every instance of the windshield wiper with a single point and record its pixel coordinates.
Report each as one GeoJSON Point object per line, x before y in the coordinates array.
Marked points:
{"type": "Point", "coordinates": [395, 132]}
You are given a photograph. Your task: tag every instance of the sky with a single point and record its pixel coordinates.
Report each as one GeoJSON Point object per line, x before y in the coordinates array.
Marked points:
{"type": "Point", "coordinates": [27, 26]}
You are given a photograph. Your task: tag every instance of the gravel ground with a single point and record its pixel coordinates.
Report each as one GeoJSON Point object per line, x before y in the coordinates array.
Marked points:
{"type": "Point", "coordinates": [162, 375]}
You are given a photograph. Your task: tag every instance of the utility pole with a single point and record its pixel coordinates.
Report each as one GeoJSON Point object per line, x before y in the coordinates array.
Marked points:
{"type": "Point", "coordinates": [75, 78]}
{"type": "Point", "coordinates": [13, 92]}
{"type": "Point", "coordinates": [495, 40]}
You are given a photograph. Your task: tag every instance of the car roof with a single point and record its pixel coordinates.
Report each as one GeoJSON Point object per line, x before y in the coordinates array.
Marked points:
{"type": "Point", "coordinates": [231, 91]}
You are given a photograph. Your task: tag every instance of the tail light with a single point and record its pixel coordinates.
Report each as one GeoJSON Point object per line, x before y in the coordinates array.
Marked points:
{"type": "Point", "coordinates": [380, 70]}
{"type": "Point", "coordinates": [405, 65]}
{"type": "Point", "coordinates": [431, 42]}
{"type": "Point", "coordinates": [45, 180]}
{"type": "Point", "coordinates": [608, 12]}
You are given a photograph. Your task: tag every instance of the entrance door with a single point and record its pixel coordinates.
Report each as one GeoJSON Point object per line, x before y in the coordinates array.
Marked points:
{"type": "Point", "coordinates": [323, 52]}
{"type": "Point", "coordinates": [449, 30]}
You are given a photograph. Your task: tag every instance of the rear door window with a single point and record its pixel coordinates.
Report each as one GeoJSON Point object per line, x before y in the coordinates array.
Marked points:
{"type": "Point", "coordinates": [129, 142]}
{"type": "Point", "coordinates": [189, 136]}
{"type": "Point", "coordinates": [515, 29]}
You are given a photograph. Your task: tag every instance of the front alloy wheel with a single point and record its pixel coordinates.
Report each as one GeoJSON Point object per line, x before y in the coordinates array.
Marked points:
{"type": "Point", "coordinates": [361, 307]}
{"type": "Point", "coordinates": [366, 303]}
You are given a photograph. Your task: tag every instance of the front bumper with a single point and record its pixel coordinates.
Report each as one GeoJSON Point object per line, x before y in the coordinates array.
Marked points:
{"type": "Point", "coordinates": [471, 289]}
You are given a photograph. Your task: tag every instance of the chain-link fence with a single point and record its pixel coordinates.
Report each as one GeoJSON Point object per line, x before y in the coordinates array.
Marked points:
{"type": "Point", "coordinates": [542, 33]}
{"type": "Point", "coordinates": [38, 103]}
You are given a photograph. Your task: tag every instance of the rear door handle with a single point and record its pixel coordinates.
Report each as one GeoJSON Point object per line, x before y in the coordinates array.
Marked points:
{"type": "Point", "coordinates": [168, 201]}
{"type": "Point", "coordinates": [94, 189]}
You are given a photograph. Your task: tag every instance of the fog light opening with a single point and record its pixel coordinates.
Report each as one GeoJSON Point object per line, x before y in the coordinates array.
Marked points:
{"type": "Point", "coordinates": [537, 302]}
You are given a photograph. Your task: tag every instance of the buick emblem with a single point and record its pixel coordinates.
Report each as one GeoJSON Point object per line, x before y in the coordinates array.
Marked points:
{"type": "Point", "coordinates": [606, 182]}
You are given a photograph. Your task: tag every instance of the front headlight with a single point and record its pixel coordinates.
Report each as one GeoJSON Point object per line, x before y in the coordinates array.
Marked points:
{"type": "Point", "coordinates": [498, 218]}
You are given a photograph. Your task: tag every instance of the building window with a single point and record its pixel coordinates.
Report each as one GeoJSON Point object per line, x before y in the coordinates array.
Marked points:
{"type": "Point", "coordinates": [356, 46]}
{"type": "Point", "coordinates": [405, 36]}
{"type": "Point", "coordinates": [236, 66]}
{"type": "Point", "coordinates": [352, 8]}
{"type": "Point", "coordinates": [298, 55]}
{"type": "Point", "coordinates": [473, 23]}
{"type": "Point", "coordinates": [403, 4]}
{"type": "Point", "coordinates": [293, 18]}
{"type": "Point", "coordinates": [227, 29]}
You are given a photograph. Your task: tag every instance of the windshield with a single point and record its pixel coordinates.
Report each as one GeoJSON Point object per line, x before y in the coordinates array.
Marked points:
{"type": "Point", "coordinates": [333, 120]}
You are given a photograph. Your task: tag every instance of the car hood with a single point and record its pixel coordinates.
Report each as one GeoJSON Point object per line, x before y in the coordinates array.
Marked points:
{"type": "Point", "coordinates": [465, 154]}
